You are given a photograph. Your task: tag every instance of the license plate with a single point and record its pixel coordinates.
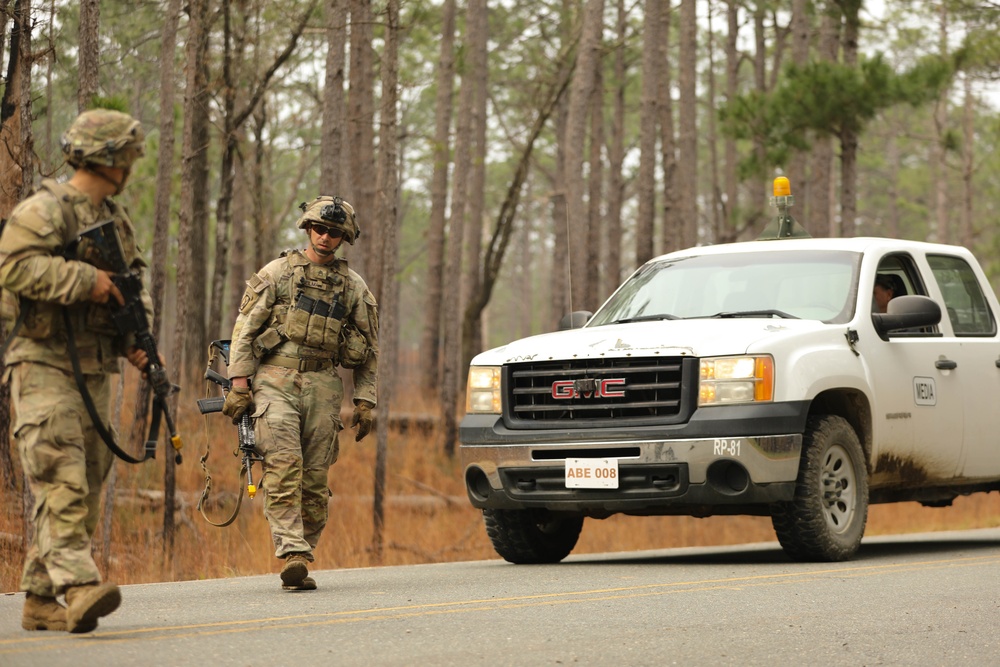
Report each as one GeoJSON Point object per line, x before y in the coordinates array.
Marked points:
{"type": "Point", "coordinates": [591, 473]}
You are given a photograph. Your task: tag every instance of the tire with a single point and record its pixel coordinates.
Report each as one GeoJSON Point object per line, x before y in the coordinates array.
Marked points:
{"type": "Point", "coordinates": [826, 519]}
{"type": "Point", "coordinates": [532, 536]}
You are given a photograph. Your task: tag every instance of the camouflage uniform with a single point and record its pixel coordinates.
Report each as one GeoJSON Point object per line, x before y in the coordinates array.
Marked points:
{"type": "Point", "coordinates": [291, 347]}
{"type": "Point", "coordinates": [63, 457]}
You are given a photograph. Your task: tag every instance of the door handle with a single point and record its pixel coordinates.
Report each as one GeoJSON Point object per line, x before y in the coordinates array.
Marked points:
{"type": "Point", "coordinates": [945, 365]}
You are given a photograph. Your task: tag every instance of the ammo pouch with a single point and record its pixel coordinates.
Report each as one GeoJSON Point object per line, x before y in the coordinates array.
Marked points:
{"type": "Point", "coordinates": [267, 341]}
{"type": "Point", "coordinates": [314, 322]}
{"type": "Point", "coordinates": [39, 317]}
{"type": "Point", "coordinates": [353, 347]}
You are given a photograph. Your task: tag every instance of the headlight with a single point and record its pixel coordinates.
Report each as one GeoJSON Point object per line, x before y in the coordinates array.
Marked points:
{"type": "Point", "coordinates": [482, 394]}
{"type": "Point", "coordinates": [736, 380]}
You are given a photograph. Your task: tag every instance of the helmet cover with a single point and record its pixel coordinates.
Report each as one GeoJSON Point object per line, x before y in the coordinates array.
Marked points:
{"type": "Point", "coordinates": [332, 212]}
{"type": "Point", "coordinates": [103, 138]}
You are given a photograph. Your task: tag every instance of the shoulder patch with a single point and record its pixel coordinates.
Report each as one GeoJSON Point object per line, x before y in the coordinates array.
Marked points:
{"type": "Point", "coordinates": [255, 286]}
{"type": "Point", "coordinates": [256, 283]}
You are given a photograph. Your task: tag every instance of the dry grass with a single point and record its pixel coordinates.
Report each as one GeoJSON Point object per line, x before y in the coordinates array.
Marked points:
{"type": "Point", "coordinates": [427, 517]}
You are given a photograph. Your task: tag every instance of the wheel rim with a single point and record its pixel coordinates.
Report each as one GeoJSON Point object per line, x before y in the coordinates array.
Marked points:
{"type": "Point", "coordinates": [838, 489]}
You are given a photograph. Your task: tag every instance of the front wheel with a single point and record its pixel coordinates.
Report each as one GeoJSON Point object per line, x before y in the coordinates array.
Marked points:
{"type": "Point", "coordinates": [826, 519]}
{"type": "Point", "coordinates": [532, 536]}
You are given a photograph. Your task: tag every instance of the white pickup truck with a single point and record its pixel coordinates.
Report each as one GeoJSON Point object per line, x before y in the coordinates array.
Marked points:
{"type": "Point", "coordinates": [751, 378]}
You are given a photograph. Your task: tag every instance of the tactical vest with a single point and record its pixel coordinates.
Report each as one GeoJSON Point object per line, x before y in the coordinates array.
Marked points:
{"type": "Point", "coordinates": [315, 314]}
{"type": "Point", "coordinates": [42, 320]}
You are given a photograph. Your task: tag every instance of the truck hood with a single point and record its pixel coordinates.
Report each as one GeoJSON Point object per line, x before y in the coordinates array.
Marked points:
{"type": "Point", "coordinates": [695, 338]}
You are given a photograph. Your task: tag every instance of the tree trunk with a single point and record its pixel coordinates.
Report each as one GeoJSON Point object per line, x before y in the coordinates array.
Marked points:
{"type": "Point", "coordinates": [386, 210]}
{"type": "Point", "coordinates": [242, 236]}
{"type": "Point", "coordinates": [430, 357]}
{"type": "Point", "coordinates": [89, 53]}
{"type": "Point", "coordinates": [797, 169]}
{"type": "Point", "coordinates": [894, 163]}
{"type": "Point", "coordinates": [731, 207]}
{"type": "Point", "coordinates": [164, 163]}
{"type": "Point", "coordinates": [16, 170]}
{"type": "Point", "coordinates": [52, 155]}
{"type": "Point", "coordinates": [187, 233]}
{"type": "Point", "coordinates": [331, 178]}
{"type": "Point", "coordinates": [195, 336]}
{"type": "Point", "coordinates": [587, 59]}
{"type": "Point", "coordinates": [715, 200]}
{"type": "Point", "coordinates": [849, 133]}
{"type": "Point", "coordinates": [939, 169]}
{"type": "Point", "coordinates": [758, 207]}
{"type": "Point", "coordinates": [968, 162]}
{"type": "Point", "coordinates": [616, 158]}
{"type": "Point", "coordinates": [668, 133]}
{"type": "Point", "coordinates": [646, 185]}
{"type": "Point", "coordinates": [162, 198]}
{"type": "Point", "coordinates": [526, 267]}
{"type": "Point", "coordinates": [822, 221]}
{"type": "Point", "coordinates": [472, 330]}
{"type": "Point", "coordinates": [361, 134]}
{"type": "Point", "coordinates": [452, 322]}
{"type": "Point", "coordinates": [595, 233]}
{"type": "Point", "coordinates": [687, 178]}
{"type": "Point", "coordinates": [559, 297]}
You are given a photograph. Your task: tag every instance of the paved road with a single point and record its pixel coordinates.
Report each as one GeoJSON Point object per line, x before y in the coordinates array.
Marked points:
{"type": "Point", "coordinates": [929, 599]}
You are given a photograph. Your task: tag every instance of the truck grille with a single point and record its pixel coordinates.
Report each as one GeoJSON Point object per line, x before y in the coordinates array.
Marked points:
{"type": "Point", "coordinates": [583, 393]}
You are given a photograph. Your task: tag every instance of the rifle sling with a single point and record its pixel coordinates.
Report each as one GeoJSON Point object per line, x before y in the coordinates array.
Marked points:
{"type": "Point", "coordinates": [88, 401]}
{"type": "Point", "coordinates": [208, 489]}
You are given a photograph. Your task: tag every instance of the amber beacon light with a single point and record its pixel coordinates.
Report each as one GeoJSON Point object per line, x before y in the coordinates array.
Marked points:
{"type": "Point", "coordinates": [782, 188]}
{"type": "Point", "coordinates": [783, 226]}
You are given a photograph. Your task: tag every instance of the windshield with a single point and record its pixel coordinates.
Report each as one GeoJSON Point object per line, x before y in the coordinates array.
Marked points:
{"type": "Point", "coordinates": [810, 284]}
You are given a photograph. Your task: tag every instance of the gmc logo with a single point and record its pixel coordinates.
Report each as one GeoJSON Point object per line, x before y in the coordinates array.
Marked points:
{"type": "Point", "coordinates": [588, 388]}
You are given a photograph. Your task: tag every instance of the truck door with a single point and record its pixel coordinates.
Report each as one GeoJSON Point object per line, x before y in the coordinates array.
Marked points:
{"type": "Point", "coordinates": [914, 383]}
{"type": "Point", "coordinates": [971, 331]}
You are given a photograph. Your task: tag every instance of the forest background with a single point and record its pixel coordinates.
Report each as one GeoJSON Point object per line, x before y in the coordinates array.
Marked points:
{"type": "Point", "coordinates": [509, 163]}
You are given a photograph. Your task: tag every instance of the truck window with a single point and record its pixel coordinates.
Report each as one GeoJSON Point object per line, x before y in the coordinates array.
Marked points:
{"type": "Point", "coordinates": [964, 300]}
{"type": "Point", "coordinates": [808, 284]}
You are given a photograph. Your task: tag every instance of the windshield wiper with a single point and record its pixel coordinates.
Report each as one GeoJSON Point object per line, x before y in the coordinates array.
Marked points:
{"type": "Point", "coordinates": [646, 318]}
{"type": "Point", "coordinates": [770, 312]}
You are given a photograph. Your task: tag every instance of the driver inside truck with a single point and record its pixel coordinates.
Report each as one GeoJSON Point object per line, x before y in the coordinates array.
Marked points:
{"type": "Point", "coordinates": [886, 287]}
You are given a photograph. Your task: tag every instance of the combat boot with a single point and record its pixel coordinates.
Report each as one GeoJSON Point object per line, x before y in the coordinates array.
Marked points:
{"type": "Point", "coordinates": [85, 604]}
{"type": "Point", "coordinates": [295, 571]}
{"type": "Point", "coordinates": [43, 613]}
{"type": "Point", "coordinates": [308, 584]}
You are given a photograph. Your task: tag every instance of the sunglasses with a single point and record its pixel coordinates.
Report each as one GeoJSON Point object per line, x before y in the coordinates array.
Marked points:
{"type": "Point", "coordinates": [332, 232]}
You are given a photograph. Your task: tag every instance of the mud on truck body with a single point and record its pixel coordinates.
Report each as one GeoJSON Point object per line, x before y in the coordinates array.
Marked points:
{"type": "Point", "coordinates": [749, 378]}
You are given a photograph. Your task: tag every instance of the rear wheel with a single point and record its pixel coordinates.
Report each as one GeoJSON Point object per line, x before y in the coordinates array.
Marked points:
{"type": "Point", "coordinates": [826, 519]}
{"type": "Point", "coordinates": [532, 536]}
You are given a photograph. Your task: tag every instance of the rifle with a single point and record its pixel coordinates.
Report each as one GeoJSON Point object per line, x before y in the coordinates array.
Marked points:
{"type": "Point", "coordinates": [247, 447]}
{"type": "Point", "coordinates": [131, 319]}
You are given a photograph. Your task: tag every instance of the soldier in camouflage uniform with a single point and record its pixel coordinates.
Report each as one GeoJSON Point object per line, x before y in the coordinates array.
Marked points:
{"type": "Point", "coordinates": [42, 275]}
{"type": "Point", "coordinates": [301, 316]}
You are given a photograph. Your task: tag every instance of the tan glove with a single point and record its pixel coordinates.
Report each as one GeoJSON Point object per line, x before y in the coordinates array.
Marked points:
{"type": "Point", "coordinates": [238, 401]}
{"type": "Point", "coordinates": [362, 419]}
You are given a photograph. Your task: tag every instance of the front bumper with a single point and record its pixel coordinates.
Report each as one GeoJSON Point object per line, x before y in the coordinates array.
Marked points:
{"type": "Point", "coordinates": [662, 477]}
{"type": "Point", "coordinates": [659, 472]}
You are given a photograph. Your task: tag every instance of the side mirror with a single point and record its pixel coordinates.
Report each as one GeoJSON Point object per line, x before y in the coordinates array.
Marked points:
{"type": "Point", "coordinates": [574, 320]}
{"type": "Point", "coordinates": [907, 312]}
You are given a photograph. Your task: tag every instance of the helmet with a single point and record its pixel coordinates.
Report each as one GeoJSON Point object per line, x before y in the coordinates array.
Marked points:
{"type": "Point", "coordinates": [103, 138]}
{"type": "Point", "coordinates": [332, 212]}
